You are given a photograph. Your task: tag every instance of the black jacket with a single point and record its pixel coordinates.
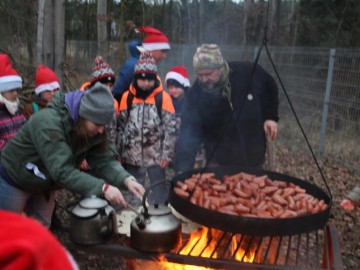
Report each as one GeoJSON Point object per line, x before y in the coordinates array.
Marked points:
{"type": "Point", "coordinates": [230, 136]}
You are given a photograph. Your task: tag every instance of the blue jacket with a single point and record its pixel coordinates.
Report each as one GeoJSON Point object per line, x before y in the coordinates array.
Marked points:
{"type": "Point", "coordinates": [126, 72]}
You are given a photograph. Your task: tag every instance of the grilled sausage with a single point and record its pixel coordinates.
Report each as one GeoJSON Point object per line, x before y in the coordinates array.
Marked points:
{"type": "Point", "coordinates": [181, 193]}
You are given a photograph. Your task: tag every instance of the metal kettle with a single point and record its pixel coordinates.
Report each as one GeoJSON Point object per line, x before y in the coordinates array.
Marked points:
{"type": "Point", "coordinates": [155, 229]}
{"type": "Point", "coordinates": [92, 221]}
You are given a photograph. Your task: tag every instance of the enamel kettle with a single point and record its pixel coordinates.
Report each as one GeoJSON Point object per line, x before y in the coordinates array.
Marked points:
{"type": "Point", "coordinates": [92, 221]}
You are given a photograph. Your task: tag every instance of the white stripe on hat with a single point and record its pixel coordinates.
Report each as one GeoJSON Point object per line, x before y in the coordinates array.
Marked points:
{"type": "Point", "coordinates": [47, 87]}
{"type": "Point", "coordinates": [156, 46]}
{"type": "Point", "coordinates": [10, 78]}
{"type": "Point", "coordinates": [178, 77]}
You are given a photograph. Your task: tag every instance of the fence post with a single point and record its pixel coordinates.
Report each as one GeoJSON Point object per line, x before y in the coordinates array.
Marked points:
{"type": "Point", "coordinates": [326, 102]}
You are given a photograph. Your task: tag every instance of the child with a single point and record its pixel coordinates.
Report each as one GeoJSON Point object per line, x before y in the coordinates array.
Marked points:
{"type": "Point", "coordinates": [147, 128]}
{"type": "Point", "coordinates": [46, 85]}
{"type": "Point", "coordinates": [177, 83]}
{"type": "Point", "coordinates": [11, 119]}
{"type": "Point", "coordinates": [352, 200]}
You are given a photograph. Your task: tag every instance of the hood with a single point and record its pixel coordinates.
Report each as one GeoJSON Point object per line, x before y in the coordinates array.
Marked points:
{"type": "Point", "coordinates": [72, 101]}
{"type": "Point", "coordinates": [132, 46]}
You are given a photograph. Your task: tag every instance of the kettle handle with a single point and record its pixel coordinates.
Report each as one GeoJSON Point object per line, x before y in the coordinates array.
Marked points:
{"type": "Point", "coordinates": [147, 192]}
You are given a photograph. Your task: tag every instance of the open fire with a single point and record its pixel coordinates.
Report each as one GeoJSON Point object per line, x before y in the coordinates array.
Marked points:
{"type": "Point", "coordinates": [209, 243]}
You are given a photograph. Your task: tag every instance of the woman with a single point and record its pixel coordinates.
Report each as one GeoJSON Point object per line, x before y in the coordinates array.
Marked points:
{"type": "Point", "coordinates": [47, 150]}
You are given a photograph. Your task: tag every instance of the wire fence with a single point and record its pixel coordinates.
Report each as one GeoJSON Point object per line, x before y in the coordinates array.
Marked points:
{"type": "Point", "coordinates": [322, 86]}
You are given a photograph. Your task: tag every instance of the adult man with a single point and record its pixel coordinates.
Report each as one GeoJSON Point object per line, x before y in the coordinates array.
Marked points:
{"type": "Point", "coordinates": [155, 42]}
{"type": "Point", "coordinates": [226, 113]}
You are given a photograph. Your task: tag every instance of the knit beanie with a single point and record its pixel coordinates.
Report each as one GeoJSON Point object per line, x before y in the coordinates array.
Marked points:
{"type": "Point", "coordinates": [26, 244]}
{"type": "Point", "coordinates": [97, 105]}
{"type": "Point", "coordinates": [102, 72]}
{"type": "Point", "coordinates": [145, 67]}
{"type": "Point", "coordinates": [208, 56]}
{"type": "Point", "coordinates": [178, 74]}
{"type": "Point", "coordinates": [9, 78]}
{"type": "Point", "coordinates": [154, 39]}
{"type": "Point", "coordinates": [45, 80]}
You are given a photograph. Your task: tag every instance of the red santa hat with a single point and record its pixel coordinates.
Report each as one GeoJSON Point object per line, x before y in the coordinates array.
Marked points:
{"type": "Point", "coordinates": [26, 244]}
{"type": "Point", "coordinates": [179, 74]}
{"type": "Point", "coordinates": [9, 78]}
{"type": "Point", "coordinates": [45, 80]}
{"type": "Point", "coordinates": [154, 39]}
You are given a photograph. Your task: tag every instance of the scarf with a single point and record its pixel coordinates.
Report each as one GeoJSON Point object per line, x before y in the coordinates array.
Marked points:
{"type": "Point", "coordinates": [11, 106]}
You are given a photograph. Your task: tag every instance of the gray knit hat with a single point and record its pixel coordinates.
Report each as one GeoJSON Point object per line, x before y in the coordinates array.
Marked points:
{"type": "Point", "coordinates": [208, 56]}
{"type": "Point", "coordinates": [97, 105]}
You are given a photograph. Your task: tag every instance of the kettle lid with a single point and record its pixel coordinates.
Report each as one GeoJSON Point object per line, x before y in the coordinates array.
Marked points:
{"type": "Point", "coordinates": [93, 202]}
{"type": "Point", "coordinates": [158, 209]}
{"type": "Point", "coordinates": [83, 212]}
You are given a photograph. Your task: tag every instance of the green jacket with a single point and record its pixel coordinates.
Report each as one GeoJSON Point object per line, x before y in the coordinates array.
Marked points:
{"type": "Point", "coordinates": [48, 141]}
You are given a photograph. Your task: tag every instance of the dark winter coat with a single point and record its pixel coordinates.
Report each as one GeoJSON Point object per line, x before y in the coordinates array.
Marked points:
{"type": "Point", "coordinates": [209, 119]}
{"type": "Point", "coordinates": [48, 141]}
{"type": "Point", "coordinates": [126, 73]}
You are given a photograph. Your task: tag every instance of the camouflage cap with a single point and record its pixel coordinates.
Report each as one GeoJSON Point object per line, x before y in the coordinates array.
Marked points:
{"type": "Point", "coordinates": [208, 56]}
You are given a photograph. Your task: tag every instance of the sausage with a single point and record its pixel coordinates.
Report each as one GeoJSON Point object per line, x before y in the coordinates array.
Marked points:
{"type": "Point", "coordinates": [262, 205]}
{"type": "Point", "coordinates": [214, 181]}
{"type": "Point", "coordinates": [240, 209]}
{"type": "Point", "coordinates": [291, 203]}
{"type": "Point", "coordinates": [181, 193]}
{"type": "Point", "coordinates": [264, 214]}
{"type": "Point", "coordinates": [269, 189]}
{"type": "Point", "coordinates": [247, 176]}
{"type": "Point", "coordinates": [280, 183]}
{"type": "Point", "coordinates": [278, 199]}
{"type": "Point", "coordinates": [288, 191]}
{"type": "Point", "coordinates": [181, 185]}
{"type": "Point", "coordinates": [300, 190]}
{"type": "Point", "coordinates": [220, 188]}
{"type": "Point", "coordinates": [288, 214]}
{"type": "Point", "coordinates": [241, 194]}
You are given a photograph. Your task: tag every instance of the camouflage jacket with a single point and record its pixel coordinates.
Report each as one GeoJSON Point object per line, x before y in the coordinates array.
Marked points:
{"type": "Point", "coordinates": [145, 138]}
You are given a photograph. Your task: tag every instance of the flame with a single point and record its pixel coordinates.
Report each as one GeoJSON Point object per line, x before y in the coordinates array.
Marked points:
{"type": "Point", "coordinates": [203, 243]}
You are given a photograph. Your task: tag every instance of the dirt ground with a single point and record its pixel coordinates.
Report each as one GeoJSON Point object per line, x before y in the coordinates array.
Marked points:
{"type": "Point", "coordinates": [339, 180]}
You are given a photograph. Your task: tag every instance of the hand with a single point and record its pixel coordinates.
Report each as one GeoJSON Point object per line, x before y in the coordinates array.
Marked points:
{"type": "Point", "coordinates": [133, 186]}
{"type": "Point", "coordinates": [347, 205]}
{"type": "Point", "coordinates": [270, 128]}
{"type": "Point", "coordinates": [164, 163]}
{"type": "Point", "coordinates": [114, 196]}
{"type": "Point", "coordinates": [84, 165]}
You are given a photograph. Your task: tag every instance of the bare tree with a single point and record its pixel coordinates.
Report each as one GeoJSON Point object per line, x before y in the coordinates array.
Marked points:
{"type": "Point", "coordinates": [59, 38]}
{"type": "Point", "coordinates": [40, 31]}
{"type": "Point", "coordinates": [102, 26]}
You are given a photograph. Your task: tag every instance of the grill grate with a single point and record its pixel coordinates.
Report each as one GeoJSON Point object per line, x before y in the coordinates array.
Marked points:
{"type": "Point", "coordinates": [311, 251]}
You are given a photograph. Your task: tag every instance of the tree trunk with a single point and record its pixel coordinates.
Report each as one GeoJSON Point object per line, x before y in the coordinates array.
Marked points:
{"type": "Point", "coordinates": [102, 27]}
{"type": "Point", "coordinates": [40, 31]}
{"type": "Point", "coordinates": [59, 38]}
{"type": "Point", "coordinates": [48, 35]}
{"type": "Point", "coordinates": [275, 21]}
{"type": "Point", "coordinates": [122, 27]}
{"type": "Point", "coordinates": [247, 8]}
